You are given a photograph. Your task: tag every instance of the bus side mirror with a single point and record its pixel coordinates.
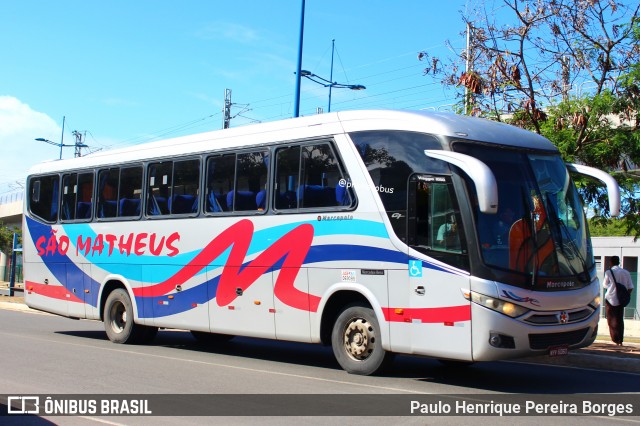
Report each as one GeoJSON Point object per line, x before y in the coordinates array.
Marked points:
{"type": "Point", "coordinates": [480, 173]}
{"type": "Point", "coordinates": [613, 190]}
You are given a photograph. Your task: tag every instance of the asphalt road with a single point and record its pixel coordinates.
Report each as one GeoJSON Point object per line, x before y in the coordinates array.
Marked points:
{"type": "Point", "coordinates": [45, 354]}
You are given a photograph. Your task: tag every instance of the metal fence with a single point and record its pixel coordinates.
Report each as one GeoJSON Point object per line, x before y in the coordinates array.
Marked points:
{"type": "Point", "coordinates": [11, 197]}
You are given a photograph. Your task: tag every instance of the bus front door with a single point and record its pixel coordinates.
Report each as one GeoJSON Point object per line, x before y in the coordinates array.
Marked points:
{"type": "Point", "coordinates": [440, 315]}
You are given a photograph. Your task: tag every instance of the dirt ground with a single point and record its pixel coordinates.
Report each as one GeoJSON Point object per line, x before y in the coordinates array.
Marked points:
{"type": "Point", "coordinates": [12, 299]}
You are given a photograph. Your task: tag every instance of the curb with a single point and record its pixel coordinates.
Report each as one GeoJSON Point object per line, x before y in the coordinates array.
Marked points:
{"type": "Point", "coordinates": [594, 358]}
{"type": "Point", "coordinates": [20, 307]}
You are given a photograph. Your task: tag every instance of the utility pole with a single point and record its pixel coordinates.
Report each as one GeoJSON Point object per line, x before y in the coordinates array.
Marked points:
{"type": "Point", "coordinates": [333, 48]}
{"type": "Point", "coordinates": [226, 116]}
{"type": "Point", "coordinates": [296, 104]}
{"type": "Point", "coordinates": [62, 136]}
{"type": "Point", "coordinates": [79, 144]}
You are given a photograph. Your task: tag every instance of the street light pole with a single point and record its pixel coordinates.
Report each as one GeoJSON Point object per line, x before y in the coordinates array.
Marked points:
{"type": "Point", "coordinates": [62, 137]}
{"type": "Point", "coordinates": [296, 105]}
{"type": "Point", "coordinates": [333, 47]}
{"type": "Point", "coordinates": [330, 84]}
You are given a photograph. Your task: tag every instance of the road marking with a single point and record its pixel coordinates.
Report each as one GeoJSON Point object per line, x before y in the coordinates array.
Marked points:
{"type": "Point", "coordinates": [215, 364]}
{"type": "Point", "coordinates": [106, 422]}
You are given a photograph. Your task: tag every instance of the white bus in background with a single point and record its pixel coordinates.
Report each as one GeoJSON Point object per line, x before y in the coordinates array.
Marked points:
{"type": "Point", "coordinates": [375, 232]}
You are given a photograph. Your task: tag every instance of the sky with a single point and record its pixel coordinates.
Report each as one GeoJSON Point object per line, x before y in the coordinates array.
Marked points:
{"type": "Point", "coordinates": [129, 72]}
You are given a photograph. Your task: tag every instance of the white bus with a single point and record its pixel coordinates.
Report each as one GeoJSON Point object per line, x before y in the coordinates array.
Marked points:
{"type": "Point", "coordinates": [375, 232]}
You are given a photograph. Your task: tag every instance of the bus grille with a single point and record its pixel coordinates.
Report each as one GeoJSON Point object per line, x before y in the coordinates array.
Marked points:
{"type": "Point", "coordinates": [547, 340]}
{"type": "Point", "coordinates": [553, 318]}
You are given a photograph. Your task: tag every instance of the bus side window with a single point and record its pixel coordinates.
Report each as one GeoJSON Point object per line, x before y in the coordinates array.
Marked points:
{"type": "Point", "coordinates": [444, 219]}
{"type": "Point", "coordinates": [434, 220]}
{"type": "Point", "coordinates": [184, 193]}
{"type": "Point", "coordinates": [287, 178]}
{"type": "Point", "coordinates": [321, 177]}
{"type": "Point", "coordinates": [251, 178]}
{"type": "Point", "coordinates": [158, 190]}
{"type": "Point", "coordinates": [107, 193]}
{"type": "Point", "coordinates": [310, 176]}
{"type": "Point", "coordinates": [43, 201]}
{"type": "Point", "coordinates": [221, 171]}
{"type": "Point", "coordinates": [69, 191]}
{"type": "Point", "coordinates": [130, 191]}
{"type": "Point", "coordinates": [84, 197]}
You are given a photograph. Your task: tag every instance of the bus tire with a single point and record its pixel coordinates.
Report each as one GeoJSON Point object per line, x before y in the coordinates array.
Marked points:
{"type": "Point", "coordinates": [148, 333]}
{"type": "Point", "coordinates": [356, 341]}
{"type": "Point", "coordinates": [118, 320]}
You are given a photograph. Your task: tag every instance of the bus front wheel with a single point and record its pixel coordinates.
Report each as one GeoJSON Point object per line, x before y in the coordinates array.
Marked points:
{"type": "Point", "coordinates": [356, 341]}
{"type": "Point", "coordinates": [118, 320]}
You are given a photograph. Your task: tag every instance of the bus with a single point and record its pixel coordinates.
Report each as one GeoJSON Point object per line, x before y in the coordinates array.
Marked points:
{"type": "Point", "coordinates": [375, 232]}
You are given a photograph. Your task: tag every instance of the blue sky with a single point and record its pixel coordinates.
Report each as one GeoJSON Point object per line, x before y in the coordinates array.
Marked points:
{"type": "Point", "coordinates": [128, 71]}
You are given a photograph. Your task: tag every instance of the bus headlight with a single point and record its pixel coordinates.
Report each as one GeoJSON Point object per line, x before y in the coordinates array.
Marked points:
{"type": "Point", "coordinates": [596, 302]}
{"type": "Point", "coordinates": [498, 305]}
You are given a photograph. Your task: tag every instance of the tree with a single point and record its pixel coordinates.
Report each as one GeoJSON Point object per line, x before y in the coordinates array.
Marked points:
{"type": "Point", "coordinates": [6, 238]}
{"type": "Point", "coordinates": [566, 69]}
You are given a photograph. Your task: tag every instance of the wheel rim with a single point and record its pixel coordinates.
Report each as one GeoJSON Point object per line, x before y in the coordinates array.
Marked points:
{"type": "Point", "coordinates": [118, 317]}
{"type": "Point", "coordinates": [359, 339]}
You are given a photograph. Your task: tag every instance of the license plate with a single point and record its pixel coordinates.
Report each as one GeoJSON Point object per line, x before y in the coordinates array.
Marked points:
{"type": "Point", "coordinates": [559, 350]}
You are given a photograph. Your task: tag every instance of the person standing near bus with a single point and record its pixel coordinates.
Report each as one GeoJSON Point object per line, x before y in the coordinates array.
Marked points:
{"type": "Point", "coordinates": [613, 309]}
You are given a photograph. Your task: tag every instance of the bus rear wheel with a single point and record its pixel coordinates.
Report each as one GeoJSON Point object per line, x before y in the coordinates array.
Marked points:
{"type": "Point", "coordinates": [118, 320]}
{"type": "Point", "coordinates": [356, 342]}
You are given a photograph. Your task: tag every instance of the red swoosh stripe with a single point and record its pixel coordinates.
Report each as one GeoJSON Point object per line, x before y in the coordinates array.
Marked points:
{"type": "Point", "coordinates": [53, 291]}
{"type": "Point", "coordinates": [293, 247]}
{"type": "Point", "coordinates": [447, 314]}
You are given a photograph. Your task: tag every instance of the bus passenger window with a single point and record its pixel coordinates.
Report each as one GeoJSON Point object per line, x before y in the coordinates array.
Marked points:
{"type": "Point", "coordinates": [43, 200]}
{"type": "Point", "coordinates": [108, 193]}
{"type": "Point", "coordinates": [310, 176]}
{"type": "Point", "coordinates": [130, 191]}
{"type": "Point", "coordinates": [221, 170]}
{"type": "Point", "coordinates": [321, 176]}
{"type": "Point", "coordinates": [251, 179]}
{"type": "Point", "coordinates": [84, 200]}
{"type": "Point", "coordinates": [77, 194]}
{"type": "Point", "coordinates": [159, 187]}
{"type": "Point", "coordinates": [186, 181]}
{"type": "Point", "coordinates": [287, 170]}
{"type": "Point", "coordinates": [69, 190]}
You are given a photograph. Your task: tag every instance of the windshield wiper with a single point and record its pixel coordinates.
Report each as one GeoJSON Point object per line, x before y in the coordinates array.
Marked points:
{"type": "Point", "coordinates": [528, 218]}
{"type": "Point", "coordinates": [559, 226]}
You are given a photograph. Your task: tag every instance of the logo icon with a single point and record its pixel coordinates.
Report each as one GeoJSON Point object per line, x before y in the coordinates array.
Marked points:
{"type": "Point", "coordinates": [26, 404]}
{"type": "Point", "coordinates": [563, 317]}
{"type": "Point", "coordinates": [415, 268]}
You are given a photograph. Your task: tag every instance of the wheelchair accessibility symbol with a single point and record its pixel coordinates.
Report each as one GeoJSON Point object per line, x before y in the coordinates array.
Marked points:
{"type": "Point", "coordinates": [415, 268]}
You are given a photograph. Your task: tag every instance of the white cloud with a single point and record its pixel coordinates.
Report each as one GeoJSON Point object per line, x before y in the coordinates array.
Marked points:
{"type": "Point", "coordinates": [19, 126]}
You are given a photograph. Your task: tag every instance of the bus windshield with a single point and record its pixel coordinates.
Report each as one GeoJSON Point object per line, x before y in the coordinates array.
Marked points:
{"type": "Point", "coordinates": [540, 228]}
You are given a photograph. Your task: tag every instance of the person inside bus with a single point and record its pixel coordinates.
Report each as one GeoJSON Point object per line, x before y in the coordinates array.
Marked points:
{"type": "Point", "coordinates": [448, 233]}
{"type": "Point", "coordinates": [530, 242]}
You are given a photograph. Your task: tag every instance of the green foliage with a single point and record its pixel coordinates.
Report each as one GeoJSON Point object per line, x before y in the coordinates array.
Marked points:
{"type": "Point", "coordinates": [612, 228]}
{"type": "Point", "coordinates": [581, 89]}
{"type": "Point", "coordinates": [6, 238]}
